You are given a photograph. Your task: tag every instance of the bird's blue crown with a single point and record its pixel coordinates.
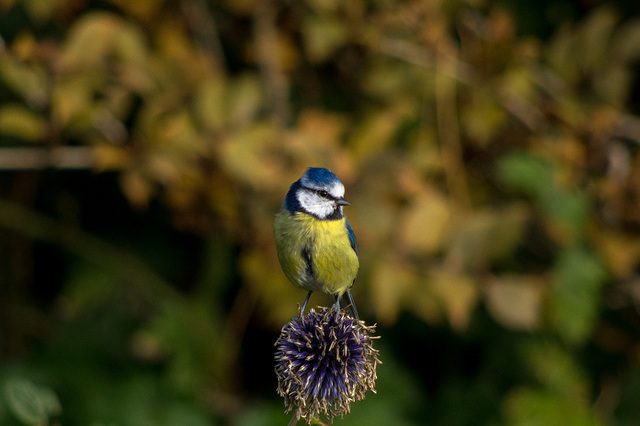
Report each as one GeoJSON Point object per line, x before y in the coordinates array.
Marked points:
{"type": "Point", "coordinates": [319, 176]}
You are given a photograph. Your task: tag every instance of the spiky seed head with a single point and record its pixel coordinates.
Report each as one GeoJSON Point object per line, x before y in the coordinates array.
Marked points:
{"type": "Point", "coordinates": [325, 360]}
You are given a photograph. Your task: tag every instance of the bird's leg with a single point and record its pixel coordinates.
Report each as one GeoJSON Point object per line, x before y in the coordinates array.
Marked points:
{"type": "Point", "coordinates": [337, 303]}
{"type": "Point", "coordinates": [353, 305]}
{"type": "Point", "coordinates": [336, 306]}
{"type": "Point", "coordinates": [304, 304]}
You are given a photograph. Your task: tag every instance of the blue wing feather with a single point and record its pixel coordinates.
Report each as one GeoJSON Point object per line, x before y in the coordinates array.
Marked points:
{"type": "Point", "coordinates": [352, 235]}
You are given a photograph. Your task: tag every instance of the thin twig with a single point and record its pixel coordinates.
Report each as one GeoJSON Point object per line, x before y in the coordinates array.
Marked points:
{"type": "Point", "coordinates": [204, 28]}
{"type": "Point", "coordinates": [416, 54]}
{"type": "Point", "coordinates": [65, 157]}
{"type": "Point", "coordinates": [275, 81]}
{"type": "Point", "coordinates": [448, 129]}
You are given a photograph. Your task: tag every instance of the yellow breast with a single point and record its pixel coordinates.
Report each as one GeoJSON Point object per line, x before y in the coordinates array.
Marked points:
{"type": "Point", "coordinates": [315, 254]}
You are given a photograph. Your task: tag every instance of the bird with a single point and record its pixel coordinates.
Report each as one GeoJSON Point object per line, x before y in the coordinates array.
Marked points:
{"type": "Point", "coordinates": [315, 242]}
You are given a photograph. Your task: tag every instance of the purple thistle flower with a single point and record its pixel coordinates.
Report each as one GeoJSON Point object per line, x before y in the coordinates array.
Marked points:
{"type": "Point", "coordinates": [325, 361]}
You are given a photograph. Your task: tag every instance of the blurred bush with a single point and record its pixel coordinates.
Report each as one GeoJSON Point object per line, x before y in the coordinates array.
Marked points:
{"type": "Point", "coordinates": [493, 176]}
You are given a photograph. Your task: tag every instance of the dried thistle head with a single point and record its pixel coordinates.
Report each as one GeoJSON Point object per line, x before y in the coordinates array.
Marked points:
{"type": "Point", "coordinates": [325, 361]}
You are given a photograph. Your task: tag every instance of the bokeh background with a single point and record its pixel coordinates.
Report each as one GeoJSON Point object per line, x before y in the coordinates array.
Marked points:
{"type": "Point", "coordinates": [490, 154]}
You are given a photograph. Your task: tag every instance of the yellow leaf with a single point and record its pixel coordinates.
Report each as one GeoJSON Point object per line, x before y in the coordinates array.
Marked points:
{"type": "Point", "coordinates": [595, 34]}
{"type": "Point", "coordinates": [100, 37]}
{"type": "Point", "coordinates": [325, 129]}
{"type": "Point", "coordinates": [390, 283]}
{"type": "Point", "coordinates": [424, 303]}
{"type": "Point", "coordinates": [485, 236]}
{"type": "Point", "coordinates": [245, 100]}
{"type": "Point", "coordinates": [178, 135]}
{"type": "Point", "coordinates": [242, 7]}
{"type": "Point", "coordinates": [41, 10]}
{"type": "Point", "coordinates": [425, 224]}
{"type": "Point", "coordinates": [374, 133]}
{"type": "Point", "coordinates": [389, 79]}
{"type": "Point", "coordinates": [137, 188]}
{"type": "Point", "coordinates": [323, 36]}
{"type": "Point", "coordinates": [515, 301]}
{"type": "Point", "coordinates": [29, 80]}
{"type": "Point", "coordinates": [144, 10]}
{"type": "Point", "coordinates": [373, 205]}
{"type": "Point", "coordinates": [130, 45]}
{"type": "Point", "coordinates": [72, 101]}
{"type": "Point", "coordinates": [25, 47]}
{"type": "Point", "coordinates": [483, 117]}
{"type": "Point", "coordinates": [212, 104]}
{"type": "Point", "coordinates": [324, 6]}
{"type": "Point", "coordinates": [620, 251]}
{"type": "Point", "coordinates": [626, 41]}
{"type": "Point", "coordinates": [89, 41]}
{"type": "Point", "coordinates": [163, 167]}
{"type": "Point", "coordinates": [278, 297]}
{"type": "Point", "coordinates": [18, 121]}
{"type": "Point", "coordinates": [109, 157]}
{"type": "Point", "coordinates": [244, 155]}
{"type": "Point", "coordinates": [458, 294]}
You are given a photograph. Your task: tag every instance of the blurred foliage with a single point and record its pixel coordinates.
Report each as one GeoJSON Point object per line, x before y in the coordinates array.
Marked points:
{"type": "Point", "coordinates": [490, 154]}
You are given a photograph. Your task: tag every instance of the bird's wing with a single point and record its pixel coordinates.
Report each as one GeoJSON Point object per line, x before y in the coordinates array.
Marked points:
{"type": "Point", "coordinates": [352, 236]}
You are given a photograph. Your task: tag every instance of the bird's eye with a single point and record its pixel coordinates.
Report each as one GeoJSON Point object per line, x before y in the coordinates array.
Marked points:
{"type": "Point", "coordinates": [323, 194]}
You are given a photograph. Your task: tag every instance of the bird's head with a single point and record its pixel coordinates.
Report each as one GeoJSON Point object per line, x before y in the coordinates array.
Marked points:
{"type": "Point", "coordinates": [319, 193]}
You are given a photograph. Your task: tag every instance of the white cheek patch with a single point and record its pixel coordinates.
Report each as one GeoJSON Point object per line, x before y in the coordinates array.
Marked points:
{"type": "Point", "coordinates": [314, 204]}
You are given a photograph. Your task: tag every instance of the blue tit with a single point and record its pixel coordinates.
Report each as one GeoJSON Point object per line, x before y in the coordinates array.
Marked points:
{"type": "Point", "coordinates": [314, 239]}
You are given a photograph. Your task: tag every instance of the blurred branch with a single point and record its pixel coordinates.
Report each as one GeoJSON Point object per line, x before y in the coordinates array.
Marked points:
{"type": "Point", "coordinates": [275, 81]}
{"type": "Point", "coordinates": [67, 157]}
{"type": "Point", "coordinates": [627, 127]}
{"type": "Point", "coordinates": [529, 115]}
{"type": "Point", "coordinates": [204, 28]}
{"type": "Point", "coordinates": [416, 54]}
{"type": "Point", "coordinates": [236, 324]}
{"type": "Point", "coordinates": [129, 268]}
{"type": "Point", "coordinates": [448, 129]}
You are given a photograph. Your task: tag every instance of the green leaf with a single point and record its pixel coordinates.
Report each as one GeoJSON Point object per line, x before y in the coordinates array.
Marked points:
{"type": "Point", "coordinates": [555, 368]}
{"type": "Point", "coordinates": [569, 210]}
{"type": "Point", "coordinates": [525, 172]}
{"type": "Point", "coordinates": [575, 290]}
{"type": "Point", "coordinates": [566, 209]}
{"type": "Point", "coordinates": [528, 407]}
{"type": "Point", "coordinates": [31, 404]}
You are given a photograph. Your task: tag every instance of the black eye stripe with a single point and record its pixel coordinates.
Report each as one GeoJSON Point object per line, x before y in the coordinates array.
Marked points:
{"type": "Point", "coordinates": [321, 193]}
